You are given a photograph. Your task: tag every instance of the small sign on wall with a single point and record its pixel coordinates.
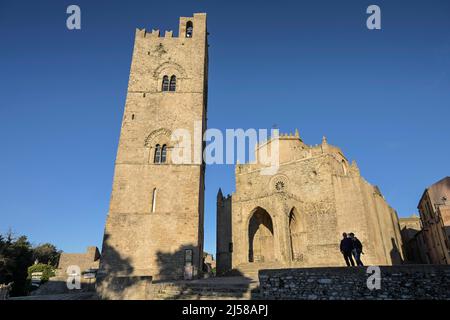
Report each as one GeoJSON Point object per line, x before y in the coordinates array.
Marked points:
{"type": "Point", "coordinates": [188, 253]}
{"type": "Point", "coordinates": [188, 272]}
{"type": "Point", "coordinates": [188, 268]}
{"type": "Point", "coordinates": [36, 278]}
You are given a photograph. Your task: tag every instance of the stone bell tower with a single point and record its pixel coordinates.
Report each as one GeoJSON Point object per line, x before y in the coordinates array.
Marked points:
{"type": "Point", "coordinates": [155, 222]}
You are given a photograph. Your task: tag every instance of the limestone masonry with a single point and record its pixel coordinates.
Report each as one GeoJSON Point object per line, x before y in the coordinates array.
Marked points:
{"type": "Point", "coordinates": [154, 227]}
{"type": "Point", "coordinates": [419, 282]}
{"type": "Point", "coordinates": [297, 217]}
{"type": "Point", "coordinates": [155, 221]}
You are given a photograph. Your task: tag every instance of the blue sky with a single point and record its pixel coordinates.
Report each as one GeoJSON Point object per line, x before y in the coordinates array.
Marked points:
{"type": "Point", "coordinates": [383, 96]}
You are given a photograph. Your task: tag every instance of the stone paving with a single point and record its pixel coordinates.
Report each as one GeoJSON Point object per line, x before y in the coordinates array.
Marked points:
{"type": "Point", "coordinates": [62, 296]}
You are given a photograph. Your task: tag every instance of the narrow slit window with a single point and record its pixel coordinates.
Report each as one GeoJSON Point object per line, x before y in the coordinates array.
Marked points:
{"type": "Point", "coordinates": [163, 153]}
{"type": "Point", "coordinates": [165, 83]}
{"type": "Point", "coordinates": [173, 83]}
{"type": "Point", "coordinates": [344, 167]}
{"type": "Point", "coordinates": [154, 200]}
{"type": "Point", "coordinates": [157, 158]}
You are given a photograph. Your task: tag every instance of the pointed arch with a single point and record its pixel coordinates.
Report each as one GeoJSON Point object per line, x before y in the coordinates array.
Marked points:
{"type": "Point", "coordinates": [297, 235]}
{"type": "Point", "coordinates": [260, 236]}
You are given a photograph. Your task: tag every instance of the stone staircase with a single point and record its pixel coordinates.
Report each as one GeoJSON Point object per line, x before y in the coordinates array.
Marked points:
{"type": "Point", "coordinates": [58, 285]}
{"type": "Point", "coordinates": [217, 288]}
{"type": "Point", "coordinates": [240, 283]}
{"type": "Point", "coordinates": [250, 269]}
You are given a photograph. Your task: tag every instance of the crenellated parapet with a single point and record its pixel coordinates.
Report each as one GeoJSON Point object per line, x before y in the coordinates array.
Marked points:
{"type": "Point", "coordinates": [187, 29]}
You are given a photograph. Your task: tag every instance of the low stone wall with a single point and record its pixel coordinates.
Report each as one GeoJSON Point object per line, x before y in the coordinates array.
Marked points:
{"type": "Point", "coordinates": [124, 287]}
{"type": "Point", "coordinates": [342, 283]}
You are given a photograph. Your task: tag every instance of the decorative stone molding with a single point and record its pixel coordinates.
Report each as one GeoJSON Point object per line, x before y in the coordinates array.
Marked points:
{"type": "Point", "coordinates": [279, 183]}
{"type": "Point", "coordinates": [149, 141]}
{"type": "Point", "coordinates": [169, 68]}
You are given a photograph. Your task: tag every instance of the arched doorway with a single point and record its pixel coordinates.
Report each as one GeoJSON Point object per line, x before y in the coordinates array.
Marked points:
{"type": "Point", "coordinates": [260, 237]}
{"type": "Point", "coordinates": [297, 236]}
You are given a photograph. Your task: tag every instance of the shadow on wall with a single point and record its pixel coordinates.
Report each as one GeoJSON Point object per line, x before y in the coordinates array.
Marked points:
{"type": "Point", "coordinates": [176, 265]}
{"type": "Point", "coordinates": [115, 279]}
{"type": "Point", "coordinates": [112, 263]}
{"type": "Point", "coordinates": [396, 257]}
{"type": "Point", "coordinates": [171, 265]}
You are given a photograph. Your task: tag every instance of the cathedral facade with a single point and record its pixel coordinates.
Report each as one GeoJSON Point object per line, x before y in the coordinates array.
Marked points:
{"type": "Point", "coordinates": [296, 217]}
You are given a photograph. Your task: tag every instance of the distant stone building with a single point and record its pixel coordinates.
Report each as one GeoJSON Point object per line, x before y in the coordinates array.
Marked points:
{"type": "Point", "coordinates": [414, 247]}
{"type": "Point", "coordinates": [434, 208]}
{"type": "Point", "coordinates": [83, 266]}
{"type": "Point", "coordinates": [209, 259]}
{"type": "Point", "coordinates": [88, 260]}
{"type": "Point", "coordinates": [297, 217]}
{"type": "Point", "coordinates": [209, 265]}
{"type": "Point", "coordinates": [154, 226]}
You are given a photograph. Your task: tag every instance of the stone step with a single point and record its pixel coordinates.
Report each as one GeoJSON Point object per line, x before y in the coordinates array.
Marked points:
{"type": "Point", "coordinates": [250, 269]}
{"type": "Point", "coordinates": [209, 296]}
{"type": "Point", "coordinates": [206, 285]}
{"type": "Point", "coordinates": [202, 297]}
{"type": "Point", "coordinates": [220, 288]}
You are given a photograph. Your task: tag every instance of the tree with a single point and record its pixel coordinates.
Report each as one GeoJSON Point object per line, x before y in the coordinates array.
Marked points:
{"type": "Point", "coordinates": [15, 258]}
{"type": "Point", "coordinates": [47, 254]}
{"type": "Point", "coordinates": [17, 254]}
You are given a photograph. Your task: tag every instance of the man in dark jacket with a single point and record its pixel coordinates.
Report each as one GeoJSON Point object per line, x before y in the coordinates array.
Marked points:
{"type": "Point", "coordinates": [357, 249]}
{"type": "Point", "coordinates": [346, 249]}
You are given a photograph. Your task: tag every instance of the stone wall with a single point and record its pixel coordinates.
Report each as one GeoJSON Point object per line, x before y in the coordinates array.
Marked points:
{"type": "Point", "coordinates": [124, 288]}
{"type": "Point", "coordinates": [341, 283]}
{"type": "Point", "coordinates": [86, 260]}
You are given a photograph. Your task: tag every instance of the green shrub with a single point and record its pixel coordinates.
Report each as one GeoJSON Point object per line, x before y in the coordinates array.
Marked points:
{"type": "Point", "coordinates": [46, 269]}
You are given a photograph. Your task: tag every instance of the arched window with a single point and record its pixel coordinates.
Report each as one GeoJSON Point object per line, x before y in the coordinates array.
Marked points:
{"type": "Point", "coordinates": [173, 83]}
{"type": "Point", "coordinates": [344, 167]}
{"type": "Point", "coordinates": [157, 158]}
{"type": "Point", "coordinates": [189, 29]}
{"type": "Point", "coordinates": [165, 83]}
{"type": "Point", "coordinates": [163, 154]}
{"type": "Point", "coordinates": [154, 200]}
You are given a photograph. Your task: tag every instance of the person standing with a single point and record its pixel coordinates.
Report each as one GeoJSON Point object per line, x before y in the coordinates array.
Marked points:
{"type": "Point", "coordinates": [346, 250]}
{"type": "Point", "coordinates": [357, 249]}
